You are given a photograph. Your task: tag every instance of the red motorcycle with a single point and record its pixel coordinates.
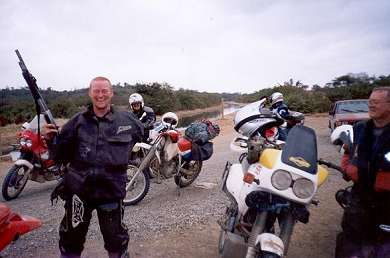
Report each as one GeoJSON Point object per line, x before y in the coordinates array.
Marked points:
{"type": "Point", "coordinates": [13, 225]}
{"type": "Point", "coordinates": [31, 162]}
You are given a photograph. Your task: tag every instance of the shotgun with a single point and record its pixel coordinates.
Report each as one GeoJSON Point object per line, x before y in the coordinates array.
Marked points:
{"type": "Point", "coordinates": [40, 103]}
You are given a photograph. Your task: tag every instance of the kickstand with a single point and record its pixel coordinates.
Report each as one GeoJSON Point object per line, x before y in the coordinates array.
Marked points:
{"type": "Point", "coordinates": [178, 190]}
{"type": "Point", "coordinates": [159, 178]}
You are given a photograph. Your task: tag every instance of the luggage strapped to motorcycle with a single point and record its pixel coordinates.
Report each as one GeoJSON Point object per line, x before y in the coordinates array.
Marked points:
{"type": "Point", "coordinates": [202, 131]}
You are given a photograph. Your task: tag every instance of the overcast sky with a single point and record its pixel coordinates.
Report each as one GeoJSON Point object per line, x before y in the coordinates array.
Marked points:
{"type": "Point", "coordinates": [205, 45]}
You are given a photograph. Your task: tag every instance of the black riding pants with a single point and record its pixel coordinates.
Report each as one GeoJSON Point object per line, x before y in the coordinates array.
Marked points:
{"type": "Point", "coordinates": [74, 226]}
{"type": "Point", "coordinates": [361, 236]}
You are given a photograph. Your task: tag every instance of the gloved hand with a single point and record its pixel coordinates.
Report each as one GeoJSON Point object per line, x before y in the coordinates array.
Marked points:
{"type": "Point", "coordinates": [59, 191]}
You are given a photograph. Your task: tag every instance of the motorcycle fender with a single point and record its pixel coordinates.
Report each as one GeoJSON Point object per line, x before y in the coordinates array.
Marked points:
{"type": "Point", "coordinates": [15, 225]}
{"type": "Point", "coordinates": [140, 145]}
{"type": "Point", "coordinates": [270, 243]}
{"type": "Point", "coordinates": [23, 162]}
{"type": "Point", "coordinates": [234, 181]}
{"type": "Point", "coordinates": [236, 186]}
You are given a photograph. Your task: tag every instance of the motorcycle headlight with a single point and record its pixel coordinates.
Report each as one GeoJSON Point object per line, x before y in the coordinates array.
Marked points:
{"type": "Point", "coordinates": [22, 141]}
{"type": "Point", "coordinates": [281, 179]}
{"type": "Point", "coordinates": [28, 143]}
{"type": "Point", "coordinates": [303, 188]}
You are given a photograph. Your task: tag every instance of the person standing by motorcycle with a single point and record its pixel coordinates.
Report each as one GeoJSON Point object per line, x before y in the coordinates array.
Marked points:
{"type": "Point", "coordinates": [367, 163]}
{"type": "Point", "coordinates": [144, 113]}
{"type": "Point", "coordinates": [279, 108]}
{"type": "Point", "coordinates": [94, 144]}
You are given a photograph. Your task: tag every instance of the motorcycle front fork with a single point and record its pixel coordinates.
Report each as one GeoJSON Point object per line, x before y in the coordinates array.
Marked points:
{"type": "Point", "coordinates": [258, 227]}
{"type": "Point", "coordinates": [286, 225]}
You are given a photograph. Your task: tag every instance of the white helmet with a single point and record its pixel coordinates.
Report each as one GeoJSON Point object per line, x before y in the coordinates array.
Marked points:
{"type": "Point", "coordinates": [170, 119]}
{"type": "Point", "coordinates": [336, 136]}
{"type": "Point", "coordinates": [136, 98]}
{"type": "Point", "coordinates": [276, 97]}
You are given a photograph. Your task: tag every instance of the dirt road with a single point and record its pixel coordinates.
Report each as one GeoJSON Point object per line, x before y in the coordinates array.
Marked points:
{"type": "Point", "coordinates": [167, 225]}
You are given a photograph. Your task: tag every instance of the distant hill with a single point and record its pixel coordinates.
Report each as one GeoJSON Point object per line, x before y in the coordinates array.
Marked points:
{"type": "Point", "coordinates": [16, 105]}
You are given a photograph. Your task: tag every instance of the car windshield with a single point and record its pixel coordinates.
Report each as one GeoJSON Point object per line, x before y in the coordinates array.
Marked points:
{"type": "Point", "coordinates": [360, 106]}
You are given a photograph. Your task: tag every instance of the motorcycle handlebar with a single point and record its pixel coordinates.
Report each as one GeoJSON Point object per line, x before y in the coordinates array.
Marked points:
{"type": "Point", "coordinates": [329, 164]}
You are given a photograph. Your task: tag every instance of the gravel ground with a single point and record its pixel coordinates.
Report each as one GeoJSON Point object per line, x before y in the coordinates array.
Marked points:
{"type": "Point", "coordinates": [165, 224]}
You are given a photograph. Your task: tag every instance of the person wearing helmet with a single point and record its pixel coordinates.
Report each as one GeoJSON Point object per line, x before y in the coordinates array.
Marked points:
{"type": "Point", "coordinates": [145, 114]}
{"type": "Point", "coordinates": [279, 108]}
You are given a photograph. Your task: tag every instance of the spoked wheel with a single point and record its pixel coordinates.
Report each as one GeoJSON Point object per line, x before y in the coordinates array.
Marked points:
{"type": "Point", "coordinates": [14, 182]}
{"type": "Point", "coordinates": [139, 187]}
{"type": "Point", "coordinates": [188, 173]}
{"type": "Point", "coordinates": [154, 167]}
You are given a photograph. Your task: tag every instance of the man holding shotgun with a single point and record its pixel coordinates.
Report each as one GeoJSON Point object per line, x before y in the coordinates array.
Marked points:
{"type": "Point", "coordinates": [95, 144]}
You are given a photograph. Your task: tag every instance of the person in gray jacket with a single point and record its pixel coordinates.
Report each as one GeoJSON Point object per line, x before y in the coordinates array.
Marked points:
{"type": "Point", "coordinates": [94, 144]}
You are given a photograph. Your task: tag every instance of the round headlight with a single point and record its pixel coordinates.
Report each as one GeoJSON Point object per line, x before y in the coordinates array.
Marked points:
{"type": "Point", "coordinates": [22, 141]}
{"type": "Point", "coordinates": [303, 188]}
{"type": "Point", "coordinates": [281, 179]}
{"type": "Point", "coordinates": [28, 143]}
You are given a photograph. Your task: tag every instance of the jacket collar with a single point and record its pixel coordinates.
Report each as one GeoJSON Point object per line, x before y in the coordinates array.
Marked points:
{"type": "Point", "coordinates": [109, 115]}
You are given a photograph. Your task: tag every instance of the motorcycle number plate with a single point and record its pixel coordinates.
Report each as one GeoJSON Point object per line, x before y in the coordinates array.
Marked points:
{"type": "Point", "coordinates": [254, 169]}
{"type": "Point", "coordinates": [15, 155]}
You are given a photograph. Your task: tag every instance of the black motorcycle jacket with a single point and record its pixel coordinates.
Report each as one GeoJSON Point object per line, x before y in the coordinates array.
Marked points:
{"type": "Point", "coordinates": [368, 165]}
{"type": "Point", "coordinates": [96, 153]}
{"type": "Point", "coordinates": [146, 116]}
{"type": "Point", "coordinates": [369, 159]}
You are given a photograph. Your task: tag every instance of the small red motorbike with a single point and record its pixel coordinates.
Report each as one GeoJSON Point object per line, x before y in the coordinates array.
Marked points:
{"type": "Point", "coordinates": [13, 225]}
{"type": "Point", "coordinates": [32, 162]}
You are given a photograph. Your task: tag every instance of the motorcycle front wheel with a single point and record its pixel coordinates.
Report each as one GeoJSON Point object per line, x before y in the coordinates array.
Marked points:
{"type": "Point", "coordinates": [139, 188]}
{"type": "Point", "coordinates": [14, 182]}
{"type": "Point", "coordinates": [188, 173]}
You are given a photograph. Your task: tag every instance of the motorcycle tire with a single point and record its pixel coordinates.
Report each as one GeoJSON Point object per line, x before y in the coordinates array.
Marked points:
{"type": "Point", "coordinates": [14, 181]}
{"type": "Point", "coordinates": [184, 179]}
{"type": "Point", "coordinates": [267, 255]}
{"type": "Point", "coordinates": [140, 187]}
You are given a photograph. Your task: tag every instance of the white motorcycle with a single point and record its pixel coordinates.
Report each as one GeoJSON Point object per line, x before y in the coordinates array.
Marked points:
{"type": "Point", "coordinates": [270, 189]}
{"type": "Point", "coordinates": [167, 155]}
